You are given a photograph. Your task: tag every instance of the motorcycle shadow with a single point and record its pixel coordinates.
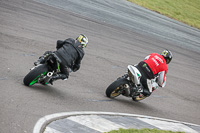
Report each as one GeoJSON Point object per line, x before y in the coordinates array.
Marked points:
{"type": "Point", "coordinates": [47, 89]}
{"type": "Point", "coordinates": [129, 102]}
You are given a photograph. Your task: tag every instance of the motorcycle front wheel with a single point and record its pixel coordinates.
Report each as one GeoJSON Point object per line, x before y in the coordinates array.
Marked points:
{"type": "Point", "coordinates": [116, 87]}
{"type": "Point", "coordinates": [137, 98]}
{"type": "Point", "coordinates": [33, 76]}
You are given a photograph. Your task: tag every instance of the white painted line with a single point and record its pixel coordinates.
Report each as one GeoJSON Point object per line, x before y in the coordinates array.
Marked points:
{"type": "Point", "coordinates": [51, 130]}
{"type": "Point", "coordinates": [165, 125]}
{"type": "Point", "coordinates": [96, 122]}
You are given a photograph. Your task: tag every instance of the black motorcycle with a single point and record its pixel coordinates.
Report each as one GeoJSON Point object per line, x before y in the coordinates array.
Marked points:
{"type": "Point", "coordinates": [43, 73]}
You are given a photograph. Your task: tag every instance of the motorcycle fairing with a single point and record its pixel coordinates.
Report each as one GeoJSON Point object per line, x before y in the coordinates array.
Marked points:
{"type": "Point", "coordinates": [136, 73]}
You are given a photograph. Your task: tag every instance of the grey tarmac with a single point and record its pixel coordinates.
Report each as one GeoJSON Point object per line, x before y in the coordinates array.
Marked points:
{"type": "Point", "coordinates": [120, 33]}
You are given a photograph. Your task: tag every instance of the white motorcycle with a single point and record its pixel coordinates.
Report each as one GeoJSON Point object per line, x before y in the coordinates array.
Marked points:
{"type": "Point", "coordinates": [129, 85]}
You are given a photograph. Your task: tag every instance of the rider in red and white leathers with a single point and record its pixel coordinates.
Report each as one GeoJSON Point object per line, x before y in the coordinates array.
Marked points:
{"type": "Point", "coordinates": [154, 67]}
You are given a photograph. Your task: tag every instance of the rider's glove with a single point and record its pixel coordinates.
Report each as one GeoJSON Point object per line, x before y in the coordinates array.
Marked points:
{"type": "Point", "coordinates": [76, 67]}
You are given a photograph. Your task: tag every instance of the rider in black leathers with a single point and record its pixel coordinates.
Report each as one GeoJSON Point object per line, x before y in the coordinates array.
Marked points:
{"type": "Point", "coordinates": [70, 53]}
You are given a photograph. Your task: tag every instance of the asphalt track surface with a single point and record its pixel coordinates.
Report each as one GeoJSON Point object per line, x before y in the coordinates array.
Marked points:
{"type": "Point", "coordinates": [120, 33]}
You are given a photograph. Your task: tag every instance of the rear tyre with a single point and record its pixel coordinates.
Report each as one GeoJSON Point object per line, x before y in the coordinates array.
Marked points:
{"type": "Point", "coordinates": [116, 87]}
{"type": "Point", "coordinates": [32, 77]}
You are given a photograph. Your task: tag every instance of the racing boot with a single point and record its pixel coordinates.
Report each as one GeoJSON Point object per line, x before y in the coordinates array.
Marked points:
{"type": "Point", "coordinates": [146, 92]}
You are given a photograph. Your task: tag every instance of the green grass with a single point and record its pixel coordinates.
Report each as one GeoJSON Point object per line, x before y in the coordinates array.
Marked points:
{"type": "Point", "coordinates": [144, 130]}
{"type": "Point", "coordinates": [186, 11]}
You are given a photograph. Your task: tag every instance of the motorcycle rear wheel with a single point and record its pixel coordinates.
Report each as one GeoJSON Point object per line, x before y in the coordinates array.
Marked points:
{"type": "Point", "coordinates": [33, 76]}
{"type": "Point", "coordinates": [115, 88]}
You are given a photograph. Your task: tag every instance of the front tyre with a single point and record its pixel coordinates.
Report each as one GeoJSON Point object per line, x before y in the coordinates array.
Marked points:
{"type": "Point", "coordinates": [116, 87]}
{"type": "Point", "coordinates": [33, 76]}
{"type": "Point", "coordinates": [138, 98]}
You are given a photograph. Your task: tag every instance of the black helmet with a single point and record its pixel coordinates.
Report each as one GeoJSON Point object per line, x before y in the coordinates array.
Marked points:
{"type": "Point", "coordinates": [167, 55]}
{"type": "Point", "coordinates": [83, 40]}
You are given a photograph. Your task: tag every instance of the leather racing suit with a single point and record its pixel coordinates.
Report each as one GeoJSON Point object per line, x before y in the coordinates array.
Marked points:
{"type": "Point", "coordinates": [70, 53]}
{"type": "Point", "coordinates": [153, 66]}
